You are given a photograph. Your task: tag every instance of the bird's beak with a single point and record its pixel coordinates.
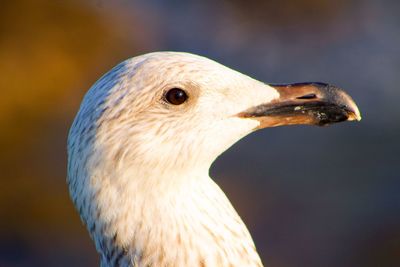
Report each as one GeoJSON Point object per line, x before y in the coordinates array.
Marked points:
{"type": "Point", "coordinates": [305, 103]}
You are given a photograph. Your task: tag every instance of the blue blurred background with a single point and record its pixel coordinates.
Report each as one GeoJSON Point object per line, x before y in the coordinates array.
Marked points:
{"type": "Point", "coordinates": [310, 196]}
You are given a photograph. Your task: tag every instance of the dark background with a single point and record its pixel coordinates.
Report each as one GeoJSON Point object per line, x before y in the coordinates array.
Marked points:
{"type": "Point", "coordinates": [310, 196]}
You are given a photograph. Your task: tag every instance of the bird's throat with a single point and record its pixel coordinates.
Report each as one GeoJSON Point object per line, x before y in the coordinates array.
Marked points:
{"type": "Point", "coordinates": [194, 225]}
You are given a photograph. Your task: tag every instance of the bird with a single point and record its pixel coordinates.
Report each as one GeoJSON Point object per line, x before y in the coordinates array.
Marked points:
{"type": "Point", "coordinates": [141, 145]}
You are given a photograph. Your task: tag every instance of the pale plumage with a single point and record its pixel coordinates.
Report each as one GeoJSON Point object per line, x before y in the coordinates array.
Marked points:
{"type": "Point", "coordinates": [138, 165]}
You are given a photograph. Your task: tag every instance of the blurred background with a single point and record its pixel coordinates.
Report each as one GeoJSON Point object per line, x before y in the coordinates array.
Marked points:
{"type": "Point", "coordinates": [310, 196]}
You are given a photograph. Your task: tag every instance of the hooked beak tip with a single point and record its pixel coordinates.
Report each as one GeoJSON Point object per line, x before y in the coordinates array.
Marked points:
{"type": "Point", "coordinates": [354, 115]}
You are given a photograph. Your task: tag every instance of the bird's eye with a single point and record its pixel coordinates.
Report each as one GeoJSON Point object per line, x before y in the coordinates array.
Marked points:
{"type": "Point", "coordinates": [176, 96]}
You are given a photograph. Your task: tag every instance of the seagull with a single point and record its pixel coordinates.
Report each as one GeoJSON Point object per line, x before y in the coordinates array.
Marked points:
{"type": "Point", "coordinates": [142, 143]}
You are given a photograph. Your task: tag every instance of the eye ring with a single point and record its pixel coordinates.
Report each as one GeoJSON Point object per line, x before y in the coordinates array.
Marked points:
{"type": "Point", "coordinates": [176, 96]}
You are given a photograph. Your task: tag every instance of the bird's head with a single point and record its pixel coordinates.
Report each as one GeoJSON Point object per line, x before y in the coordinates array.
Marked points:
{"type": "Point", "coordinates": [174, 111]}
{"type": "Point", "coordinates": [183, 110]}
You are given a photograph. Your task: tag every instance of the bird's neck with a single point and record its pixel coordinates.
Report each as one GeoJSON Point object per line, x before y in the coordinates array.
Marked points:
{"type": "Point", "coordinates": [190, 224]}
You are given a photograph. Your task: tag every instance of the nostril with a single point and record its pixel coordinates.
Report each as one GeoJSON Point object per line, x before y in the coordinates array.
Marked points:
{"type": "Point", "coordinates": [308, 96]}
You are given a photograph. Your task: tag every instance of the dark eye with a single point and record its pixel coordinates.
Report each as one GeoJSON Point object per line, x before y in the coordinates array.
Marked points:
{"type": "Point", "coordinates": [176, 96]}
